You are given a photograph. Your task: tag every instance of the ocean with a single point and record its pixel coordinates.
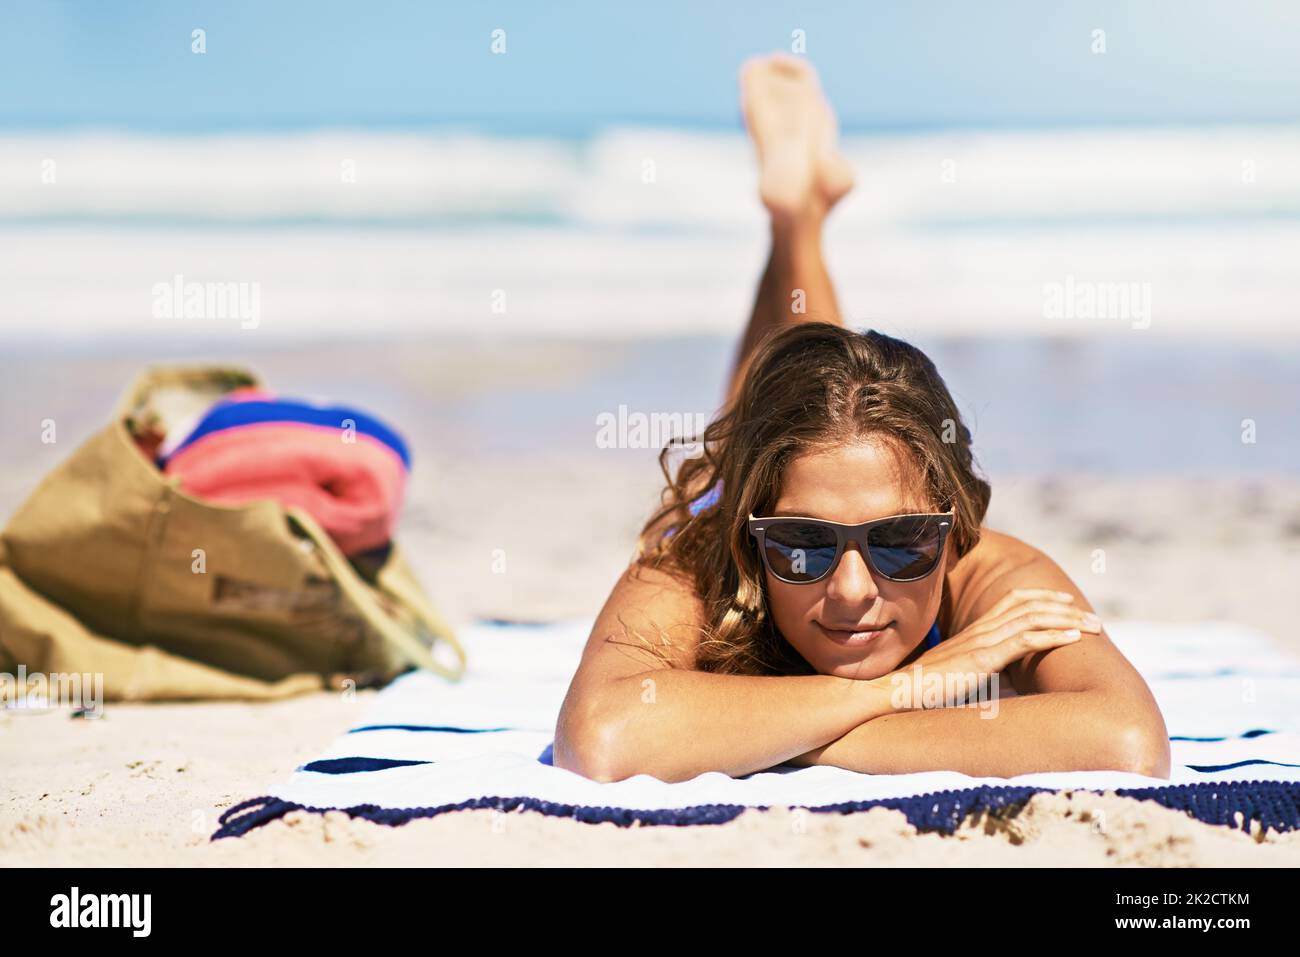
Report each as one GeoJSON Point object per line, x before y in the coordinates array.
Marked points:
{"type": "Point", "coordinates": [638, 231]}
{"type": "Point", "coordinates": [1113, 299]}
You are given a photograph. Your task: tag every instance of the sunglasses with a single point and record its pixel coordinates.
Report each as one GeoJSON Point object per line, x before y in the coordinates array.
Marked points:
{"type": "Point", "coordinates": [901, 548]}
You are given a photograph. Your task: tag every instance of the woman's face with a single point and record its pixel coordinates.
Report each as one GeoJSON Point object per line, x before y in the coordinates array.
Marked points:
{"type": "Point", "coordinates": [852, 484]}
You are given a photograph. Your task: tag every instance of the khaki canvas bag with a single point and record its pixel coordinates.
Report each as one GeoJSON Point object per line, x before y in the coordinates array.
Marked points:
{"type": "Point", "coordinates": [110, 568]}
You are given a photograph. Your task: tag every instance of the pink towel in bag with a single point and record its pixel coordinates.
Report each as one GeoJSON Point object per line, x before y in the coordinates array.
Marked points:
{"type": "Point", "coordinates": [344, 468]}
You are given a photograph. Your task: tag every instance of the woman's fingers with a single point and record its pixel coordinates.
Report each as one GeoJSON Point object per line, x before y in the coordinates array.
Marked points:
{"type": "Point", "coordinates": [1034, 614]}
{"type": "Point", "coordinates": [965, 667]}
{"type": "Point", "coordinates": [1019, 599]}
{"type": "Point", "coordinates": [1027, 643]}
{"type": "Point", "coordinates": [1024, 621]}
{"type": "Point", "coordinates": [1036, 604]}
{"type": "Point", "coordinates": [1042, 620]}
{"type": "Point", "coordinates": [1019, 595]}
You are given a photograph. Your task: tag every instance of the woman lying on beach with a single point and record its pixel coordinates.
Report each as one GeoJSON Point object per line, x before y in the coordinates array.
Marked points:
{"type": "Point", "coordinates": [823, 562]}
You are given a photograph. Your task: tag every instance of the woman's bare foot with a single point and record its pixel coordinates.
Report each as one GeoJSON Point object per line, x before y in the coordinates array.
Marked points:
{"type": "Point", "coordinates": [801, 172]}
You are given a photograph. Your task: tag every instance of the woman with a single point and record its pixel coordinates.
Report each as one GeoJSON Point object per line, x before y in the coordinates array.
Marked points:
{"type": "Point", "coordinates": [823, 562]}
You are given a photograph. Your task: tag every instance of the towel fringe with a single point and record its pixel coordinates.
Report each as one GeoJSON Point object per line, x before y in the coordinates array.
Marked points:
{"type": "Point", "coordinates": [1241, 805]}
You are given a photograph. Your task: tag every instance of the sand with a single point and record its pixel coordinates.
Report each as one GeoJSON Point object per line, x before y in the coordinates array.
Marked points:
{"type": "Point", "coordinates": [145, 784]}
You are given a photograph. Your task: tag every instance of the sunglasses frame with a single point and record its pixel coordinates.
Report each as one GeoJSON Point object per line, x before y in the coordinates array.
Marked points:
{"type": "Point", "coordinates": [843, 535]}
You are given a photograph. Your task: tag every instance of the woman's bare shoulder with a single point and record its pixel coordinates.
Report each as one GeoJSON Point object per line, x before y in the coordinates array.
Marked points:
{"type": "Point", "coordinates": [1003, 547]}
{"type": "Point", "coordinates": [993, 552]}
{"type": "Point", "coordinates": [972, 582]}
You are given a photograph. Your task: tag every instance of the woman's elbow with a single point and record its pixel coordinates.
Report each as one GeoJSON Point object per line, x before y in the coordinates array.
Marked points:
{"type": "Point", "coordinates": [1142, 750]}
{"type": "Point", "coordinates": [589, 747]}
{"type": "Point", "coordinates": [600, 749]}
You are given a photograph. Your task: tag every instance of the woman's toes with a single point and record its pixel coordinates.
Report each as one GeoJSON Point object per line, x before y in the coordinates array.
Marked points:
{"type": "Point", "coordinates": [793, 129]}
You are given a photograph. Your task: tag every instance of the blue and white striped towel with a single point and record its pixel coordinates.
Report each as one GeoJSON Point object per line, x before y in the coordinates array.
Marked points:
{"type": "Point", "coordinates": [425, 747]}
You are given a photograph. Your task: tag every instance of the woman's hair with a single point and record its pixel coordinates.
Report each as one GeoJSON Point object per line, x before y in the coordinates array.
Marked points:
{"type": "Point", "coordinates": [811, 386]}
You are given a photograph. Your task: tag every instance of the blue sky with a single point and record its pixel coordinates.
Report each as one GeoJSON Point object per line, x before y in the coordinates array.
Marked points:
{"type": "Point", "coordinates": [583, 64]}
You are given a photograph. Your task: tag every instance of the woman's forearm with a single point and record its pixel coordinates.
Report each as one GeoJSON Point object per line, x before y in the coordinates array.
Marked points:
{"type": "Point", "coordinates": [1054, 731]}
{"type": "Point", "coordinates": [674, 724]}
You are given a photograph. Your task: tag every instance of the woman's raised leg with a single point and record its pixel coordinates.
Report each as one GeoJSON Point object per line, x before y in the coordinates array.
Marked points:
{"type": "Point", "coordinates": [801, 177]}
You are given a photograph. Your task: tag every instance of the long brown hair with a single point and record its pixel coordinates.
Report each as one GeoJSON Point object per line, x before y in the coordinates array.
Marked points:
{"type": "Point", "coordinates": [810, 386]}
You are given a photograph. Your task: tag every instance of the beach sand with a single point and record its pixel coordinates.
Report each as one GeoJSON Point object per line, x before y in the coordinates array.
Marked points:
{"type": "Point", "coordinates": [144, 785]}
{"type": "Point", "coordinates": [499, 475]}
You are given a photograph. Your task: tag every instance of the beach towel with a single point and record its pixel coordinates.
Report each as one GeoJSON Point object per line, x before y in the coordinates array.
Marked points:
{"type": "Point", "coordinates": [1228, 694]}
{"type": "Point", "coordinates": [344, 468]}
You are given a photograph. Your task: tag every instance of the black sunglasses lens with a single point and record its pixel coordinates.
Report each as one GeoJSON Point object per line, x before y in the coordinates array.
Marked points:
{"type": "Point", "coordinates": [905, 548]}
{"type": "Point", "coordinates": [799, 551]}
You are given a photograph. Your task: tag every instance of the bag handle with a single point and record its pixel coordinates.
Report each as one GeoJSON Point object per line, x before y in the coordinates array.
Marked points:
{"type": "Point", "coordinates": [217, 380]}
{"type": "Point", "coordinates": [363, 599]}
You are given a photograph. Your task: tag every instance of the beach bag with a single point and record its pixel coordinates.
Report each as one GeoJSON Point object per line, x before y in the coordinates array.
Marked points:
{"type": "Point", "coordinates": [109, 567]}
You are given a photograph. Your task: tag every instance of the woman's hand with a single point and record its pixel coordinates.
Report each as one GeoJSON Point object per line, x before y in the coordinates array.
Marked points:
{"type": "Point", "coordinates": [1025, 621]}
